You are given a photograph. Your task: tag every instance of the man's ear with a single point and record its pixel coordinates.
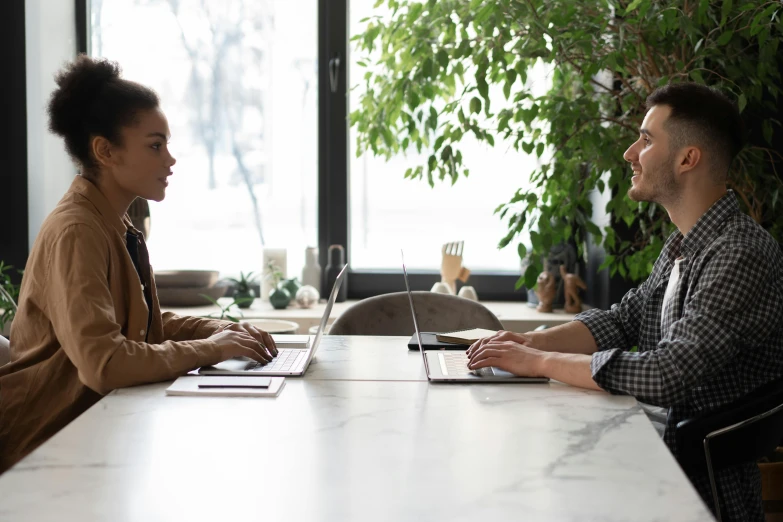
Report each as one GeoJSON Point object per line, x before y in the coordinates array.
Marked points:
{"type": "Point", "coordinates": [102, 151]}
{"type": "Point", "coordinates": [690, 158]}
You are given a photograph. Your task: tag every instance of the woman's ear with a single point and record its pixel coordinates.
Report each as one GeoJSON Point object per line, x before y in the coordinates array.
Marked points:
{"type": "Point", "coordinates": [102, 151]}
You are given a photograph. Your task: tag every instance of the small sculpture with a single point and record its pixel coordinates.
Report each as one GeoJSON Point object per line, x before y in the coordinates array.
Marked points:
{"type": "Point", "coordinates": [307, 296]}
{"type": "Point", "coordinates": [545, 290]}
{"type": "Point", "coordinates": [451, 267]}
{"type": "Point", "coordinates": [572, 283]}
{"type": "Point", "coordinates": [441, 288]}
{"type": "Point", "coordinates": [468, 292]}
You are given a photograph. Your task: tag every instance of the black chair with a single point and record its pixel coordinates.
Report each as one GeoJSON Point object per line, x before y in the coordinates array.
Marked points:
{"type": "Point", "coordinates": [741, 432]}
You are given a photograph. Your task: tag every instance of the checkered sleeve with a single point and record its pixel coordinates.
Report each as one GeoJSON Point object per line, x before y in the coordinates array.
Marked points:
{"type": "Point", "coordinates": [729, 305]}
{"type": "Point", "coordinates": [617, 327]}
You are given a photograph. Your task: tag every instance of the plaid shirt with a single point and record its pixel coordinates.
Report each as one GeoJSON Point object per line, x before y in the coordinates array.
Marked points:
{"type": "Point", "coordinates": [719, 338]}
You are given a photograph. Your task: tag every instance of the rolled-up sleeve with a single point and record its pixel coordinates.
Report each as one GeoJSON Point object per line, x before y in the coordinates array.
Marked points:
{"type": "Point", "coordinates": [184, 328]}
{"type": "Point", "coordinates": [728, 308]}
{"type": "Point", "coordinates": [619, 326]}
{"type": "Point", "coordinates": [80, 306]}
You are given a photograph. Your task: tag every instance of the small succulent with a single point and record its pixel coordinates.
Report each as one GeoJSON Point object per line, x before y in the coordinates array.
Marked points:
{"type": "Point", "coordinates": [245, 281]}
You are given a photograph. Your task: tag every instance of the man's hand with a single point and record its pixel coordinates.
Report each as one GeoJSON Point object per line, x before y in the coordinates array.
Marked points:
{"type": "Point", "coordinates": [507, 355]}
{"type": "Point", "coordinates": [244, 339]}
{"type": "Point", "coordinates": [527, 339]}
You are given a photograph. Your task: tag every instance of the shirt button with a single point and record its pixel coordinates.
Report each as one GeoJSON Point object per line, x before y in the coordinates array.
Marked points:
{"type": "Point", "coordinates": [141, 332]}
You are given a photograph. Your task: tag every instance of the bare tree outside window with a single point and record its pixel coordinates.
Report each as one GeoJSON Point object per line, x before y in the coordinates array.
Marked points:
{"type": "Point", "coordinates": [236, 79]}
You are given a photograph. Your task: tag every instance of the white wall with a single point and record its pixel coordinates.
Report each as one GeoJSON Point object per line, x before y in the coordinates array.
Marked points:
{"type": "Point", "coordinates": [50, 29]}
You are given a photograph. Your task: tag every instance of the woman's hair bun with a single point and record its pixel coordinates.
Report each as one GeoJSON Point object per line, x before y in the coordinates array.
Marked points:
{"type": "Point", "coordinates": [79, 85]}
{"type": "Point", "coordinates": [92, 99]}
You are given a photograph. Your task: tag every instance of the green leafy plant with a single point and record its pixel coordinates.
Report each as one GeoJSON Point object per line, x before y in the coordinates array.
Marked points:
{"type": "Point", "coordinates": [439, 71]}
{"type": "Point", "coordinates": [244, 283]}
{"type": "Point", "coordinates": [9, 294]}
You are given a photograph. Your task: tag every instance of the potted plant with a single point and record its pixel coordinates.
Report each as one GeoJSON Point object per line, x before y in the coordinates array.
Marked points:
{"type": "Point", "coordinates": [244, 295]}
{"type": "Point", "coordinates": [440, 71]}
{"type": "Point", "coordinates": [279, 297]}
{"type": "Point", "coordinates": [9, 294]}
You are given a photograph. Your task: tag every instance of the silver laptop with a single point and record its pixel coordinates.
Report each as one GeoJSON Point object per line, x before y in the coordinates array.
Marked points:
{"type": "Point", "coordinates": [289, 361]}
{"type": "Point", "coordinates": [452, 365]}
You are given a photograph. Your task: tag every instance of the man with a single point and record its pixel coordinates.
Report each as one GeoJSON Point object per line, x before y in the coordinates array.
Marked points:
{"type": "Point", "coordinates": [708, 322]}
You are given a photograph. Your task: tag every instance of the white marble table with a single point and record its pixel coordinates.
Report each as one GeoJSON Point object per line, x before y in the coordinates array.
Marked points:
{"type": "Point", "coordinates": [330, 448]}
{"type": "Point", "coordinates": [360, 358]}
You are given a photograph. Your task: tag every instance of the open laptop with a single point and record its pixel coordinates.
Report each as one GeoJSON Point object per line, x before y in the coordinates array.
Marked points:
{"type": "Point", "coordinates": [452, 365]}
{"type": "Point", "coordinates": [289, 361]}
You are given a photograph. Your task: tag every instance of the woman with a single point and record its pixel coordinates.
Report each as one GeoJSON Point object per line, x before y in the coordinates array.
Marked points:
{"type": "Point", "coordinates": [88, 319]}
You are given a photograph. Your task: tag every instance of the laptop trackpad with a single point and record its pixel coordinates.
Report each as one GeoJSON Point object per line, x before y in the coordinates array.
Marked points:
{"type": "Point", "coordinates": [497, 372]}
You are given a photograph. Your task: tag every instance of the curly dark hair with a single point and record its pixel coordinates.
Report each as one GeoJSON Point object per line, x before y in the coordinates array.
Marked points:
{"type": "Point", "coordinates": [93, 100]}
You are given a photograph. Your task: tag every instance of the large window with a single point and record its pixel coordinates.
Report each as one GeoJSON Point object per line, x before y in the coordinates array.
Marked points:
{"type": "Point", "coordinates": [237, 81]}
{"type": "Point", "coordinates": [265, 155]}
{"type": "Point", "coordinates": [389, 212]}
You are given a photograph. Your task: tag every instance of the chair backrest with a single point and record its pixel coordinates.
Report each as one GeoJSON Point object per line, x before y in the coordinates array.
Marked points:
{"type": "Point", "coordinates": [5, 350]}
{"type": "Point", "coordinates": [752, 427]}
{"type": "Point", "coordinates": [390, 314]}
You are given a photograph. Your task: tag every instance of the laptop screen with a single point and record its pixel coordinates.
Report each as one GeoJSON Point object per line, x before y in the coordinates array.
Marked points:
{"type": "Point", "coordinates": [413, 313]}
{"type": "Point", "coordinates": [325, 318]}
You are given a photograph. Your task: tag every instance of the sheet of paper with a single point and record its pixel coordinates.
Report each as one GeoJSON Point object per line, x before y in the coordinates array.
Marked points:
{"type": "Point", "coordinates": [188, 385]}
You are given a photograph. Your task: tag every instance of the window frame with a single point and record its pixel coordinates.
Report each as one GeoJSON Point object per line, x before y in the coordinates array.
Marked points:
{"type": "Point", "coordinates": [333, 167]}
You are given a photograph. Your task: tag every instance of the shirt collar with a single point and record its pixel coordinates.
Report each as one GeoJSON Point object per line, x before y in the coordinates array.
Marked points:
{"type": "Point", "coordinates": [90, 192]}
{"type": "Point", "coordinates": [708, 225]}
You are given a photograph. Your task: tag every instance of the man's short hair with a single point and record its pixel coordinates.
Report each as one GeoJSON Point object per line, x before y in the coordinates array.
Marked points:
{"type": "Point", "coordinates": [704, 117]}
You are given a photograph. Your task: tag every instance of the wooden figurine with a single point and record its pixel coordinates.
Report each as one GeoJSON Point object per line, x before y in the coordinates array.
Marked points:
{"type": "Point", "coordinates": [572, 283]}
{"type": "Point", "coordinates": [545, 290]}
{"type": "Point", "coordinates": [451, 267]}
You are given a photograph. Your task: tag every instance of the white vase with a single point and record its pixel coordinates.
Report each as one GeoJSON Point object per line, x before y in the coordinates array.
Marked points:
{"type": "Point", "coordinates": [311, 273]}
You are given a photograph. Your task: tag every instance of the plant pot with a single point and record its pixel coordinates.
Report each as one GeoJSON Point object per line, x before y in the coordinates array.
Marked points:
{"type": "Point", "coordinates": [292, 285]}
{"type": "Point", "coordinates": [245, 299]}
{"type": "Point", "coordinates": [279, 297]}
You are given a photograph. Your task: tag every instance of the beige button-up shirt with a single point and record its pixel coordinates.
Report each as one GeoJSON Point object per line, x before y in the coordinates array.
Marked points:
{"type": "Point", "coordinates": [80, 330]}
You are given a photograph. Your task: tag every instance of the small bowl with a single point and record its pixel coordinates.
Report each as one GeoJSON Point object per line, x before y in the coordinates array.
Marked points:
{"type": "Point", "coordinates": [274, 326]}
{"type": "Point", "coordinates": [189, 296]}
{"type": "Point", "coordinates": [186, 278]}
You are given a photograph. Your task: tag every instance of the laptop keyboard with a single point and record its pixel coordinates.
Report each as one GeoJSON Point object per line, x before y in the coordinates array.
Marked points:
{"type": "Point", "coordinates": [286, 360]}
{"type": "Point", "coordinates": [456, 364]}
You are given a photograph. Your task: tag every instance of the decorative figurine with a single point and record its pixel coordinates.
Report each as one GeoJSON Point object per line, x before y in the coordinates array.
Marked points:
{"type": "Point", "coordinates": [545, 290]}
{"type": "Point", "coordinates": [307, 296]}
{"type": "Point", "coordinates": [572, 284]}
{"type": "Point", "coordinates": [451, 267]}
{"type": "Point", "coordinates": [468, 292]}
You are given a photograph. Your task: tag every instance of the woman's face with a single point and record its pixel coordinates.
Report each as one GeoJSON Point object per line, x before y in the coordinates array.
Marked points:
{"type": "Point", "coordinates": [143, 163]}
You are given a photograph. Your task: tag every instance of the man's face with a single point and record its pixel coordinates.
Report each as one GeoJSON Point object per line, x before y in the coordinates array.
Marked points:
{"type": "Point", "coordinates": [652, 160]}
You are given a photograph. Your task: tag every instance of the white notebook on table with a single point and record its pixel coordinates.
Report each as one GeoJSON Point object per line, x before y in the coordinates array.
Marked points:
{"type": "Point", "coordinates": [226, 386]}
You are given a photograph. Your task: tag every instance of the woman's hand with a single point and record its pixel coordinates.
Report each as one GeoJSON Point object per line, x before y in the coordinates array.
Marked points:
{"type": "Point", "coordinates": [245, 340]}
